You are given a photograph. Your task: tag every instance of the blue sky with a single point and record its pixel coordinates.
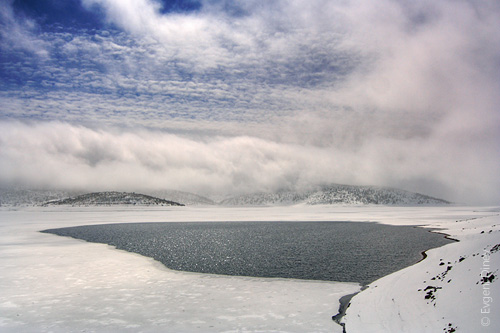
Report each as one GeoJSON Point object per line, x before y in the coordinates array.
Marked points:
{"type": "Point", "coordinates": [240, 96]}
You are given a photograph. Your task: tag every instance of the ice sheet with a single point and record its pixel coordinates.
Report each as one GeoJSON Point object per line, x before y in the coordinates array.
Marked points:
{"type": "Point", "coordinates": [51, 283]}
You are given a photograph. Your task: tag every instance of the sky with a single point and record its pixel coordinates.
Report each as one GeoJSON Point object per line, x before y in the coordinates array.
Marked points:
{"type": "Point", "coordinates": [218, 97]}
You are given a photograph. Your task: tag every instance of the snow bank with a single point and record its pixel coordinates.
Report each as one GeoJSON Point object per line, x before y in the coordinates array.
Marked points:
{"type": "Point", "coordinates": [455, 289]}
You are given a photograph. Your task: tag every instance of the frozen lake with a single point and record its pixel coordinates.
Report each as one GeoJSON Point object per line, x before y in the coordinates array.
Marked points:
{"type": "Point", "coordinates": [60, 284]}
{"type": "Point", "coordinates": [331, 251]}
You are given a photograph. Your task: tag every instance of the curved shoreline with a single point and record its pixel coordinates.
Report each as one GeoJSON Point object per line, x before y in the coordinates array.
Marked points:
{"type": "Point", "coordinates": [446, 236]}
{"type": "Point", "coordinates": [343, 262]}
{"type": "Point", "coordinates": [345, 301]}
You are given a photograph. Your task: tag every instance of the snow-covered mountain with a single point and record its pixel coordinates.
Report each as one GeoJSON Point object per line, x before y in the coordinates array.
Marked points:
{"type": "Point", "coordinates": [337, 195]}
{"type": "Point", "coordinates": [31, 197]}
{"type": "Point", "coordinates": [324, 195]}
{"type": "Point", "coordinates": [113, 198]}
{"type": "Point", "coordinates": [186, 198]}
{"type": "Point", "coordinates": [37, 197]}
{"type": "Point", "coordinates": [266, 198]}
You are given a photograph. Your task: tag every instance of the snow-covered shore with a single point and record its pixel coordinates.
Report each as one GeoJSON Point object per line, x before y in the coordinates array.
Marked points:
{"type": "Point", "coordinates": [455, 289]}
{"type": "Point", "coordinates": [51, 283]}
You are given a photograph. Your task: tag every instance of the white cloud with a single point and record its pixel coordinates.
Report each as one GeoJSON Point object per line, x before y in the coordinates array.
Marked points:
{"type": "Point", "coordinates": [270, 94]}
{"type": "Point", "coordinates": [62, 155]}
{"type": "Point", "coordinates": [18, 32]}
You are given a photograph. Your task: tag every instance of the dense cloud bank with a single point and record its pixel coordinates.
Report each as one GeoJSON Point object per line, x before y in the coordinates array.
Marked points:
{"type": "Point", "coordinates": [66, 156]}
{"type": "Point", "coordinates": [258, 95]}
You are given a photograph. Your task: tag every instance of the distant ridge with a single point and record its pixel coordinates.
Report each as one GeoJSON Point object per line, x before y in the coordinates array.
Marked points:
{"type": "Point", "coordinates": [32, 197]}
{"type": "Point", "coordinates": [112, 198]}
{"type": "Point", "coordinates": [337, 195]}
{"type": "Point", "coordinates": [333, 194]}
{"type": "Point", "coordinates": [186, 198]}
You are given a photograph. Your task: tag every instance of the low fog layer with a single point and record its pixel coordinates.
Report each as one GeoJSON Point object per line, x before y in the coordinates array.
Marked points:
{"type": "Point", "coordinates": [236, 98]}
{"type": "Point", "coordinates": [64, 156]}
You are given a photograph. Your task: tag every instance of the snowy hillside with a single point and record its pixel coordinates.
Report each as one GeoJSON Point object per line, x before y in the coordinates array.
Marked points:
{"type": "Point", "coordinates": [454, 289]}
{"type": "Point", "coordinates": [28, 197]}
{"type": "Point", "coordinates": [37, 197]}
{"type": "Point", "coordinates": [184, 197]}
{"type": "Point", "coordinates": [263, 198]}
{"type": "Point", "coordinates": [113, 198]}
{"type": "Point", "coordinates": [337, 194]}
{"type": "Point", "coordinates": [322, 195]}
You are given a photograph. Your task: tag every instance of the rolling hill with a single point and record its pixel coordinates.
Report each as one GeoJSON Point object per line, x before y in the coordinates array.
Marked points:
{"type": "Point", "coordinates": [336, 195]}
{"type": "Point", "coordinates": [112, 198]}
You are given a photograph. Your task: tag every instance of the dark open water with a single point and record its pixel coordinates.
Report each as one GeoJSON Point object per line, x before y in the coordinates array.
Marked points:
{"type": "Point", "coordinates": [332, 251]}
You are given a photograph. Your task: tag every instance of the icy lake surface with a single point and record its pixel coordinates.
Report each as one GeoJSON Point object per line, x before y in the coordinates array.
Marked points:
{"type": "Point", "coordinates": [331, 251]}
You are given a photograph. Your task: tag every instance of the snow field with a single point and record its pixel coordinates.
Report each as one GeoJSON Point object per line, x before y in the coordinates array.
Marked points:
{"type": "Point", "coordinates": [57, 284]}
